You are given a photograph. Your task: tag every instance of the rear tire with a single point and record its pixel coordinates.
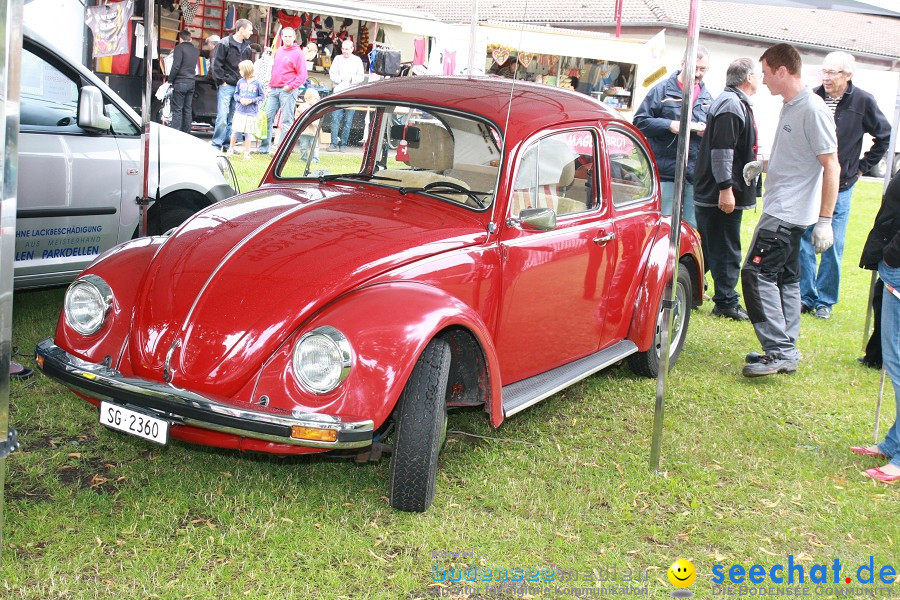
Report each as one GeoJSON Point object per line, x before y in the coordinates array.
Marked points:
{"type": "Point", "coordinates": [421, 419]}
{"type": "Point", "coordinates": [647, 363]}
{"type": "Point", "coordinates": [169, 217]}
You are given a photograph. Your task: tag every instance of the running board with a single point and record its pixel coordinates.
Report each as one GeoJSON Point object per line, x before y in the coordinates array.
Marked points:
{"type": "Point", "coordinates": [522, 394]}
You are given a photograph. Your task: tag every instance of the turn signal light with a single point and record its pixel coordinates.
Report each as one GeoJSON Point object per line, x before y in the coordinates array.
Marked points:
{"type": "Point", "coordinates": [299, 432]}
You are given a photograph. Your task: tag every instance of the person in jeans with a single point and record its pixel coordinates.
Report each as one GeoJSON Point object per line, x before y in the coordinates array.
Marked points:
{"type": "Point", "coordinates": [288, 76]}
{"type": "Point", "coordinates": [230, 52]}
{"type": "Point", "coordinates": [801, 186]}
{"type": "Point", "coordinates": [659, 118]}
{"type": "Point", "coordinates": [184, 65]}
{"type": "Point", "coordinates": [720, 193]}
{"type": "Point", "coordinates": [248, 95]}
{"type": "Point", "coordinates": [882, 251]}
{"type": "Point", "coordinates": [346, 70]}
{"type": "Point", "coordinates": [855, 114]}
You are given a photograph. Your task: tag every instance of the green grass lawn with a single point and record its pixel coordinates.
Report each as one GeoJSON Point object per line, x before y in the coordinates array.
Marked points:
{"type": "Point", "coordinates": [753, 471]}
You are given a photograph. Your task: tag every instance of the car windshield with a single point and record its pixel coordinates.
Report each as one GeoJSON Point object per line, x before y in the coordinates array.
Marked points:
{"type": "Point", "coordinates": [416, 150]}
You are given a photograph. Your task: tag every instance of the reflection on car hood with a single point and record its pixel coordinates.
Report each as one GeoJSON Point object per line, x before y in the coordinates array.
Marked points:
{"type": "Point", "coordinates": [224, 291]}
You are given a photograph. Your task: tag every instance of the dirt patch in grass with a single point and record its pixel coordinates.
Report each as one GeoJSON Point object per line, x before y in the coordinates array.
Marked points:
{"type": "Point", "coordinates": [91, 474]}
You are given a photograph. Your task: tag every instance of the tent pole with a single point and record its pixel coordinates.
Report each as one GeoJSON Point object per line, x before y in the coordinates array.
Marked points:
{"type": "Point", "coordinates": [10, 68]}
{"type": "Point", "coordinates": [473, 31]}
{"type": "Point", "coordinates": [668, 301]}
{"type": "Point", "coordinates": [144, 200]}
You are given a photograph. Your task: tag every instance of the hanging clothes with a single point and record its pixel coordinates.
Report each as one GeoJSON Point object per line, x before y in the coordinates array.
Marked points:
{"type": "Point", "coordinates": [449, 62]}
{"type": "Point", "coordinates": [230, 17]}
{"type": "Point", "coordinates": [109, 24]}
{"type": "Point", "coordinates": [140, 43]}
{"type": "Point", "coordinates": [287, 20]}
{"type": "Point", "coordinates": [419, 46]}
{"type": "Point", "coordinates": [188, 11]}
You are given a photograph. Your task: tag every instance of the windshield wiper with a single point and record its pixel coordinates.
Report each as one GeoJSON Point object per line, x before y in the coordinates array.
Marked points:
{"type": "Point", "coordinates": [448, 187]}
{"type": "Point", "coordinates": [363, 176]}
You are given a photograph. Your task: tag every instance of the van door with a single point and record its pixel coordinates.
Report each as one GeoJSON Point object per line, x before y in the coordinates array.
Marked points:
{"type": "Point", "coordinates": [70, 180]}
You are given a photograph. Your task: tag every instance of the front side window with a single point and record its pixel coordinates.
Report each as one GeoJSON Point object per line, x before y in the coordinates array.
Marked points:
{"type": "Point", "coordinates": [417, 150]}
{"type": "Point", "coordinates": [630, 168]}
{"type": "Point", "coordinates": [557, 172]}
{"type": "Point", "coordinates": [49, 97]}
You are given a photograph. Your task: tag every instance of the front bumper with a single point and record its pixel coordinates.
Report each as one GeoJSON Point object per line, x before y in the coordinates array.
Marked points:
{"type": "Point", "coordinates": [183, 407]}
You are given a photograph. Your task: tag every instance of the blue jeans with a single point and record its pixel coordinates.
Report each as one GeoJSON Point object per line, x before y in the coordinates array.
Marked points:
{"type": "Point", "coordinates": [286, 101]}
{"type": "Point", "coordinates": [890, 349]}
{"type": "Point", "coordinates": [821, 289]}
{"type": "Point", "coordinates": [337, 117]}
{"type": "Point", "coordinates": [667, 191]}
{"type": "Point", "coordinates": [224, 112]}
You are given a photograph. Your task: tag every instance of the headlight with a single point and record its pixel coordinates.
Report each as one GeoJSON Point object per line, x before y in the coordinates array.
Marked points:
{"type": "Point", "coordinates": [321, 359]}
{"type": "Point", "coordinates": [87, 302]}
{"type": "Point", "coordinates": [228, 173]}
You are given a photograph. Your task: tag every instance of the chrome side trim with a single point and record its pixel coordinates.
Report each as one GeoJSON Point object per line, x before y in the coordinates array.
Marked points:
{"type": "Point", "coordinates": [182, 406]}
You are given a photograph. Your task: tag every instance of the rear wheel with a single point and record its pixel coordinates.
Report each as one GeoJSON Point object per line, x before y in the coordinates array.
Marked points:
{"type": "Point", "coordinates": [421, 420]}
{"type": "Point", "coordinates": [647, 363]}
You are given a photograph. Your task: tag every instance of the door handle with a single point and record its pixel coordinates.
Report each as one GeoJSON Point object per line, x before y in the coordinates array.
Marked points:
{"type": "Point", "coordinates": [604, 238]}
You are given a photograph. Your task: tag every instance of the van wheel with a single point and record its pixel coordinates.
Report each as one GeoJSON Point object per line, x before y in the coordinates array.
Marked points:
{"type": "Point", "coordinates": [169, 217]}
{"type": "Point", "coordinates": [647, 363]}
{"type": "Point", "coordinates": [879, 169]}
{"type": "Point", "coordinates": [421, 419]}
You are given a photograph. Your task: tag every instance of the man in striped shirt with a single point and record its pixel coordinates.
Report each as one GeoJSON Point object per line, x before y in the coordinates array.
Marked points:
{"type": "Point", "coordinates": [855, 114]}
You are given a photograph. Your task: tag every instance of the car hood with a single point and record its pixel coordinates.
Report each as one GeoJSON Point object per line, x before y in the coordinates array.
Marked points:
{"type": "Point", "coordinates": [234, 281]}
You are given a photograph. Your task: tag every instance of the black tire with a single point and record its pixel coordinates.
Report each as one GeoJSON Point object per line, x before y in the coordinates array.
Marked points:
{"type": "Point", "coordinates": [879, 169]}
{"type": "Point", "coordinates": [896, 164]}
{"type": "Point", "coordinates": [421, 420]}
{"type": "Point", "coordinates": [647, 363]}
{"type": "Point", "coordinates": [169, 217]}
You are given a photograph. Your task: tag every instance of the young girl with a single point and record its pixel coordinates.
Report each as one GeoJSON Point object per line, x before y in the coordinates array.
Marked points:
{"type": "Point", "coordinates": [248, 95]}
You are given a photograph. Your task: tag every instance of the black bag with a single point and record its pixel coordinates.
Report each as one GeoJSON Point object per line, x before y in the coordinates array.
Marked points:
{"type": "Point", "coordinates": [387, 63]}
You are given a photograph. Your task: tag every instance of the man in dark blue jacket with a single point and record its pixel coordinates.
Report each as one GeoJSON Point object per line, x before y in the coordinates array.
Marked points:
{"type": "Point", "coordinates": [720, 193]}
{"type": "Point", "coordinates": [659, 118]}
{"type": "Point", "coordinates": [855, 114]}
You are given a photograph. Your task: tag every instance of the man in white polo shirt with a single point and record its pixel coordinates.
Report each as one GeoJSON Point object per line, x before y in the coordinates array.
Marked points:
{"type": "Point", "coordinates": [800, 190]}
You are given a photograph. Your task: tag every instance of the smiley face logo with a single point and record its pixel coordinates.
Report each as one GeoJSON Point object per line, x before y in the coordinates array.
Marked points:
{"type": "Point", "coordinates": [682, 573]}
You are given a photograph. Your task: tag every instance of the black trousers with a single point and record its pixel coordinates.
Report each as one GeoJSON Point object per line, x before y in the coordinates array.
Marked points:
{"type": "Point", "coordinates": [873, 348]}
{"type": "Point", "coordinates": [721, 238]}
{"type": "Point", "coordinates": [182, 104]}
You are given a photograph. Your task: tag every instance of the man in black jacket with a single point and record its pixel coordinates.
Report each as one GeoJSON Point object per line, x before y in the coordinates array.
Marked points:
{"type": "Point", "coordinates": [229, 53]}
{"type": "Point", "coordinates": [659, 118]}
{"type": "Point", "coordinates": [855, 114]}
{"type": "Point", "coordinates": [184, 66]}
{"type": "Point", "coordinates": [720, 192]}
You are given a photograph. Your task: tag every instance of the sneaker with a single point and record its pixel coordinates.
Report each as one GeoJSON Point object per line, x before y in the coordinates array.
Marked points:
{"type": "Point", "coordinates": [823, 312]}
{"type": "Point", "coordinates": [805, 308]}
{"type": "Point", "coordinates": [332, 148]}
{"type": "Point", "coordinates": [735, 313]}
{"type": "Point", "coordinates": [867, 362]}
{"type": "Point", "coordinates": [753, 357]}
{"type": "Point", "coordinates": [769, 365]}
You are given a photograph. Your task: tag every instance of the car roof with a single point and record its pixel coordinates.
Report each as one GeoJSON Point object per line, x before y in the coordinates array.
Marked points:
{"type": "Point", "coordinates": [535, 106]}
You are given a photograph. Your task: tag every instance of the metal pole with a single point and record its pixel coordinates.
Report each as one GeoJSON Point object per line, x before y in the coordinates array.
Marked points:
{"type": "Point", "coordinates": [145, 111]}
{"type": "Point", "coordinates": [619, 18]}
{"type": "Point", "coordinates": [668, 301]}
{"type": "Point", "coordinates": [10, 68]}
{"type": "Point", "coordinates": [473, 33]}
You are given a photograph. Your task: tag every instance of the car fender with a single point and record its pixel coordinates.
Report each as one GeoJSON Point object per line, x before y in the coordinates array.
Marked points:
{"type": "Point", "coordinates": [388, 326]}
{"type": "Point", "coordinates": [656, 273]}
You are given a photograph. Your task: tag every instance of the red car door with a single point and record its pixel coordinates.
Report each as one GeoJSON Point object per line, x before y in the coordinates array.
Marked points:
{"type": "Point", "coordinates": [554, 283]}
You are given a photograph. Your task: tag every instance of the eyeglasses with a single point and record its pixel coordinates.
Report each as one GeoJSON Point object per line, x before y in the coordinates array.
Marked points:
{"type": "Point", "coordinates": [830, 72]}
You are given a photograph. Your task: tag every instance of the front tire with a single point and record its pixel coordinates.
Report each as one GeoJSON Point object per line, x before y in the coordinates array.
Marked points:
{"type": "Point", "coordinates": [647, 363]}
{"type": "Point", "coordinates": [421, 420]}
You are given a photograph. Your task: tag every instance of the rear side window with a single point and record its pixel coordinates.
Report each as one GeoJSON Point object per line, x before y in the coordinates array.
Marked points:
{"type": "Point", "coordinates": [557, 172]}
{"type": "Point", "coordinates": [631, 171]}
{"type": "Point", "coordinates": [49, 97]}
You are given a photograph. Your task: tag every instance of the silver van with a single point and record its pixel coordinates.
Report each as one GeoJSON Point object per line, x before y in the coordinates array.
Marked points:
{"type": "Point", "coordinates": [80, 170]}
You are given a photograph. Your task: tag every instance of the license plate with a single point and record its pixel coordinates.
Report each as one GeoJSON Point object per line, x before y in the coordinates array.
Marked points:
{"type": "Point", "coordinates": [135, 423]}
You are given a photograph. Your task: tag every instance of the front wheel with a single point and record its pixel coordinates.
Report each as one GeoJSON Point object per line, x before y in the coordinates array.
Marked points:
{"type": "Point", "coordinates": [421, 426]}
{"type": "Point", "coordinates": [647, 363]}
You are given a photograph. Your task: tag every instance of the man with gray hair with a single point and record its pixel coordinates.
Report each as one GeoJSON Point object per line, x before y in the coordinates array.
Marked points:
{"type": "Point", "coordinates": [720, 192]}
{"type": "Point", "coordinates": [855, 114]}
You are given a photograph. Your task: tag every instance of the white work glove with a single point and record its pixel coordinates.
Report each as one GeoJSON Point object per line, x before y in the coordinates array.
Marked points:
{"type": "Point", "coordinates": [751, 171]}
{"type": "Point", "coordinates": [823, 235]}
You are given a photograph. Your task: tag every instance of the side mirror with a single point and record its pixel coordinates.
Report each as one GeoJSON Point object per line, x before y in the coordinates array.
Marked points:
{"type": "Point", "coordinates": [539, 219]}
{"type": "Point", "coordinates": [90, 110]}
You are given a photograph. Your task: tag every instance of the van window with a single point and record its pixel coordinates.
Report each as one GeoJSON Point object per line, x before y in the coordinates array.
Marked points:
{"type": "Point", "coordinates": [49, 97]}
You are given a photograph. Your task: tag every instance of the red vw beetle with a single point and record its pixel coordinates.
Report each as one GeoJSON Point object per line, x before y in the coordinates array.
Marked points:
{"type": "Point", "coordinates": [482, 242]}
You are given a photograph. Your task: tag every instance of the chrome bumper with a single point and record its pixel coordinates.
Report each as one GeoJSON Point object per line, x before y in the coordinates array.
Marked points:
{"type": "Point", "coordinates": [183, 407]}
